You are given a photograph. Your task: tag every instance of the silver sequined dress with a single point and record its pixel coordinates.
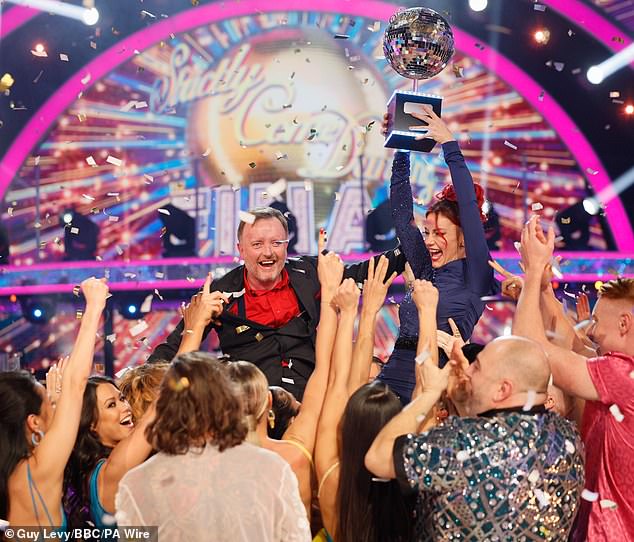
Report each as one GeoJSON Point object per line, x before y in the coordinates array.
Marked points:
{"type": "Point", "coordinates": [506, 475]}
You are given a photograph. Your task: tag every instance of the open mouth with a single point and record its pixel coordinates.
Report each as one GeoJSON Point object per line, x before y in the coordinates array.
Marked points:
{"type": "Point", "coordinates": [127, 421]}
{"type": "Point", "coordinates": [267, 264]}
{"type": "Point", "coordinates": [435, 255]}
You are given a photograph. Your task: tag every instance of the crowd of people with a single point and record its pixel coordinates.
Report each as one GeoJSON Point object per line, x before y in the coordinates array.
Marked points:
{"type": "Point", "coordinates": [293, 435]}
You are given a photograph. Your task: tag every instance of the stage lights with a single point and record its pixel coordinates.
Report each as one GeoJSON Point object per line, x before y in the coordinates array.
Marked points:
{"type": "Point", "coordinates": [629, 109]}
{"type": "Point", "coordinates": [37, 310]}
{"type": "Point", "coordinates": [89, 16]}
{"type": "Point", "coordinates": [478, 5]}
{"type": "Point", "coordinates": [129, 305]}
{"type": "Point", "coordinates": [596, 74]}
{"type": "Point", "coordinates": [542, 36]}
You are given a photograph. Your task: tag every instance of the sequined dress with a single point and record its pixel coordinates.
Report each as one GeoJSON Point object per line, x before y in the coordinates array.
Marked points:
{"type": "Point", "coordinates": [461, 283]}
{"type": "Point", "coordinates": [506, 475]}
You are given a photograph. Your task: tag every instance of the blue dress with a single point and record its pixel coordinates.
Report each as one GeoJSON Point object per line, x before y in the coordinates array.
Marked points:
{"type": "Point", "coordinates": [461, 283]}
{"type": "Point", "coordinates": [97, 511]}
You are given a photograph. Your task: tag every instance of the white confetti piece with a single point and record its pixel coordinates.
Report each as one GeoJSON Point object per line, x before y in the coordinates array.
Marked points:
{"type": "Point", "coordinates": [112, 337]}
{"type": "Point", "coordinates": [113, 160]}
{"type": "Point", "coordinates": [616, 412]}
{"type": "Point", "coordinates": [74, 231]}
{"type": "Point", "coordinates": [570, 447]}
{"type": "Point", "coordinates": [86, 79]}
{"type": "Point", "coordinates": [539, 7]}
{"type": "Point", "coordinates": [518, 246]}
{"type": "Point", "coordinates": [591, 171]}
{"type": "Point", "coordinates": [533, 477]}
{"type": "Point", "coordinates": [245, 217]}
{"type": "Point", "coordinates": [308, 186]}
{"type": "Point", "coordinates": [276, 188]}
{"type": "Point", "coordinates": [146, 306]}
{"type": "Point", "coordinates": [159, 275]}
{"type": "Point", "coordinates": [537, 206]}
{"type": "Point", "coordinates": [462, 455]}
{"type": "Point", "coordinates": [376, 26]}
{"type": "Point", "coordinates": [234, 294]}
{"type": "Point", "coordinates": [112, 218]}
{"type": "Point", "coordinates": [422, 357]}
{"type": "Point", "coordinates": [158, 294]}
{"type": "Point", "coordinates": [510, 145]}
{"type": "Point", "coordinates": [91, 161]}
{"type": "Point", "coordinates": [148, 177]}
{"type": "Point", "coordinates": [382, 480]}
{"type": "Point", "coordinates": [41, 54]}
{"type": "Point", "coordinates": [288, 380]}
{"type": "Point", "coordinates": [89, 198]}
{"type": "Point", "coordinates": [615, 94]}
{"type": "Point", "coordinates": [164, 212]}
{"type": "Point", "coordinates": [559, 66]}
{"type": "Point", "coordinates": [589, 496]}
{"type": "Point", "coordinates": [607, 503]}
{"type": "Point", "coordinates": [281, 156]}
{"type": "Point", "coordinates": [139, 328]}
{"type": "Point", "coordinates": [554, 266]}
{"type": "Point", "coordinates": [63, 57]}
{"type": "Point", "coordinates": [140, 105]}
{"type": "Point", "coordinates": [108, 519]}
{"type": "Point", "coordinates": [542, 497]}
{"type": "Point", "coordinates": [531, 395]}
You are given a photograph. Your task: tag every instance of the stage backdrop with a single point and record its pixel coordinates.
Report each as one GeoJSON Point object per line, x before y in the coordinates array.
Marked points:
{"type": "Point", "coordinates": [209, 119]}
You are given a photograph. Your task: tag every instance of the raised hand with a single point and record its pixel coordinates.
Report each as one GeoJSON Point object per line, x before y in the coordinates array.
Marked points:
{"type": "Point", "coordinates": [512, 284]}
{"type": "Point", "coordinates": [375, 287]}
{"type": "Point", "coordinates": [425, 295]}
{"type": "Point", "coordinates": [96, 292]}
{"type": "Point", "coordinates": [459, 387]}
{"type": "Point", "coordinates": [204, 307]}
{"type": "Point", "coordinates": [329, 269]}
{"type": "Point", "coordinates": [436, 128]}
{"type": "Point", "coordinates": [583, 308]}
{"type": "Point", "coordinates": [535, 247]}
{"type": "Point", "coordinates": [346, 298]}
{"type": "Point", "coordinates": [54, 380]}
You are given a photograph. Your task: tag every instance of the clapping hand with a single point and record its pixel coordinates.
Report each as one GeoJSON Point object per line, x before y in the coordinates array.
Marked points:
{"type": "Point", "coordinates": [375, 287]}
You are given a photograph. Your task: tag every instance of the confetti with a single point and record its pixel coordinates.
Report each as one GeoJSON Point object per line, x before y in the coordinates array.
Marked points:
{"type": "Point", "coordinates": [6, 82]}
{"type": "Point", "coordinates": [245, 217]}
{"type": "Point", "coordinates": [259, 336]}
{"type": "Point", "coordinates": [74, 231]}
{"type": "Point", "coordinates": [63, 57]}
{"type": "Point", "coordinates": [139, 328]}
{"type": "Point", "coordinates": [140, 105]}
{"type": "Point", "coordinates": [559, 66]}
{"type": "Point", "coordinates": [570, 33]}
{"type": "Point", "coordinates": [158, 294]}
{"type": "Point", "coordinates": [542, 497]}
{"type": "Point", "coordinates": [159, 275]}
{"type": "Point", "coordinates": [234, 294]}
{"type": "Point", "coordinates": [510, 145]}
{"type": "Point", "coordinates": [583, 324]}
{"type": "Point", "coordinates": [458, 71]}
{"type": "Point", "coordinates": [288, 380]}
{"type": "Point", "coordinates": [148, 178]}
{"type": "Point", "coordinates": [554, 266]}
{"type": "Point", "coordinates": [422, 357]}
{"type": "Point", "coordinates": [281, 156]}
{"type": "Point", "coordinates": [164, 212]}
{"type": "Point", "coordinates": [616, 412]}
{"type": "Point", "coordinates": [533, 477]}
{"type": "Point", "coordinates": [376, 26]}
{"type": "Point", "coordinates": [607, 503]}
{"type": "Point", "coordinates": [276, 188]}
{"type": "Point", "coordinates": [76, 290]}
{"type": "Point", "coordinates": [570, 447]}
{"type": "Point", "coordinates": [112, 218]}
{"type": "Point", "coordinates": [39, 53]}
{"type": "Point", "coordinates": [89, 198]}
{"type": "Point", "coordinates": [113, 160]}
{"type": "Point", "coordinates": [91, 161]}
{"type": "Point", "coordinates": [308, 186]}
{"type": "Point", "coordinates": [242, 329]}
{"type": "Point", "coordinates": [589, 496]}
{"type": "Point", "coordinates": [252, 165]}
{"type": "Point", "coordinates": [591, 171]}
{"type": "Point", "coordinates": [531, 395]}
{"type": "Point", "coordinates": [382, 480]}
{"type": "Point", "coordinates": [86, 79]}
{"type": "Point", "coordinates": [541, 96]}
{"type": "Point", "coordinates": [179, 385]}
{"type": "Point", "coordinates": [341, 36]}
{"type": "Point", "coordinates": [537, 207]}
{"type": "Point", "coordinates": [539, 7]}
{"type": "Point", "coordinates": [146, 306]}
{"type": "Point", "coordinates": [615, 94]}
{"type": "Point", "coordinates": [37, 77]}
{"type": "Point", "coordinates": [79, 314]}
{"type": "Point", "coordinates": [111, 338]}
{"type": "Point", "coordinates": [518, 246]}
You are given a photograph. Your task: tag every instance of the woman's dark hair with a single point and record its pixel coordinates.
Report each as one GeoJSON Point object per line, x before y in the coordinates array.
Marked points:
{"type": "Point", "coordinates": [284, 411]}
{"type": "Point", "coordinates": [198, 404]}
{"type": "Point", "coordinates": [19, 398]}
{"type": "Point", "coordinates": [87, 452]}
{"type": "Point", "coordinates": [446, 204]}
{"type": "Point", "coordinates": [368, 510]}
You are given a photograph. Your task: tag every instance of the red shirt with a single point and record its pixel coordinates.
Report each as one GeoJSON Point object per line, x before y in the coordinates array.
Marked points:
{"type": "Point", "coordinates": [273, 308]}
{"type": "Point", "coordinates": [609, 450]}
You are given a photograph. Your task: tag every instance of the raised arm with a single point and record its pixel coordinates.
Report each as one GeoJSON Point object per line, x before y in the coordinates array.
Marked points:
{"type": "Point", "coordinates": [569, 369]}
{"type": "Point", "coordinates": [374, 291]}
{"type": "Point", "coordinates": [480, 275]}
{"type": "Point", "coordinates": [54, 450]}
{"type": "Point", "coordinates": [304, 428]}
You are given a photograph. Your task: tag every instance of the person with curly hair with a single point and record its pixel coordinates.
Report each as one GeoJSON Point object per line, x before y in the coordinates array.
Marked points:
{"type": "Point", "coordinates": [451, 253]}
{"type": "Point", "coordinates": [206, 482]}
{"type": "Point", "coordinates": [140, 386]}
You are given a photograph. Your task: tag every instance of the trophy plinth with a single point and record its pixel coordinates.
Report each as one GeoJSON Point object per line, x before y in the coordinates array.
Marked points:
{"type": "Point", "coordinates": [399, 135]}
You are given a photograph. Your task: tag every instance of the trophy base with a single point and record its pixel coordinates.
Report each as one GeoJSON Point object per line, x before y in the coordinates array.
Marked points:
{"type": "Point", "coordinates": [399, 136]}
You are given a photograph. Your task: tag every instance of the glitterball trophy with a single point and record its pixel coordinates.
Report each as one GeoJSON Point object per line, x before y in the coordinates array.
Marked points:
{"type": "Point", "coordinates": [418, 43]}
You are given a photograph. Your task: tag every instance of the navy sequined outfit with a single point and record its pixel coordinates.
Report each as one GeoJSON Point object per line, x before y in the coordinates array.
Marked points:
{"type": "Point", "coordinates": [461, 283]}
{"type": "Point", "coordinates": [506, 475]}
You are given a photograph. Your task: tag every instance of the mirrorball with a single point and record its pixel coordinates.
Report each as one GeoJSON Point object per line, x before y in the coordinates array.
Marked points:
{"type": "Point", "coordinates": [418, 43]}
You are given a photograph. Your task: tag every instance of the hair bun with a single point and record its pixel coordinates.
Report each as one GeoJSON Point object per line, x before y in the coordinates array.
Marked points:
{"type": "Point", "coordinates": [449, 194]}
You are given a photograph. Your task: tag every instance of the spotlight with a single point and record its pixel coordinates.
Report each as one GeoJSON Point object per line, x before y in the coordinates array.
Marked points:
{"type": "Point", "coordinates": [132, 309]}
{"type": "Point", "coordinates": [90, 16]}
{"type": "Point", "coordinates": [591, 206]}
{"type": "Point", "coordinates": [179, 237]}
{"type": "Point", "coordinates": [595, 75]}
{"type": "Point", "coordinates": [478, 5]}
{"type": "Point", "coordinates": [37, 310]}
{"type": "Point", "coordinates": [629, 109]}
{"type": "Point", "coordinates": [129, 305]}
{"type": "Point", "coordinates": [39, 48]}
{"type": "Point", "coordinates": [80, 236]}
{"type": "Point", "coordinates": [542, 36]}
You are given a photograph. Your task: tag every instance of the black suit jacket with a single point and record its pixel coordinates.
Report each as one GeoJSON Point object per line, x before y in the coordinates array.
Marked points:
{"type": "Point", "coordinates": [285, 354]}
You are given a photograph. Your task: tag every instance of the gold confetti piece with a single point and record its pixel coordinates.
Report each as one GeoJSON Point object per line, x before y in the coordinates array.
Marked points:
{"type": "Point", "coordinates": [252, 165]}
{"type": "Point", "coordinates": [99, 367]}
{"type": "Point", "coordinates": [259, 336]}
{"type": "Point", "coordinates": [63, 57]}
{"type": "Point", "coordinates": [159, 275]}
{"type": "Point", "coordinates": [242, 329]}
{"type": "Point", "coordinates": [113, 160]}
{"type": "Point", "coordinates": [79, 314]}
{"type": "Point", "coordinates": [615, 94]}
{"type": "Point", "coordinates": [6, 82]}
{"type": "Point", "coordinates": [510, 145]}
{"type": "Point", "coordinates": [458, 71]}
{"type": "Point", "coordinates": [245, 217]}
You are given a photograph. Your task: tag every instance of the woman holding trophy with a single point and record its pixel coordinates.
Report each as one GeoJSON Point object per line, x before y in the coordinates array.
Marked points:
{"type": "Point", "coordinates": [451, 252]}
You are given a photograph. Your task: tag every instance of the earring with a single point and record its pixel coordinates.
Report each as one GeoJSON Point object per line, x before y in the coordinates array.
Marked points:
{"type": "Point", "coordinates": [40, 436]}
{"type": "Point", "coordinates": [271, 418]}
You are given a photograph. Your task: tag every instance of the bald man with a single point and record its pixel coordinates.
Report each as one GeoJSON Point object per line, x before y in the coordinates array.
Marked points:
{"type": "Point", "coordinates": [511, 470]}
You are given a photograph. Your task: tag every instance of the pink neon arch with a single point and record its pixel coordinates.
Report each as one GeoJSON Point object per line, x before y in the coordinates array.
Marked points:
{"type": "Point", "coordinates": [492, 60]}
